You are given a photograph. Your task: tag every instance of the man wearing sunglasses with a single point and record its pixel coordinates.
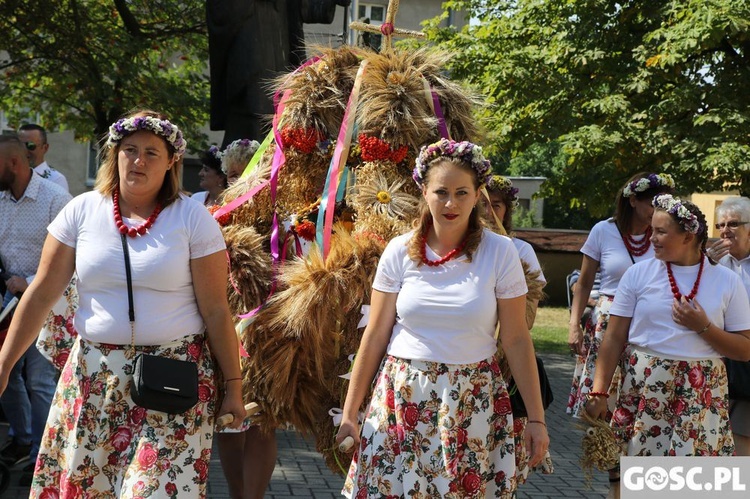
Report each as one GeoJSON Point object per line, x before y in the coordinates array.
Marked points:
{"type": "Point", "coordinates": [34, 137]}
{"type": "Point", "coordinates": [28, 204]}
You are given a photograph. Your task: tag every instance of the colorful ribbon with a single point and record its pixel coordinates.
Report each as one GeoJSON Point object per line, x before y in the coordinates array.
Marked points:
{"type": "Point", "coordinates": [340, 155]}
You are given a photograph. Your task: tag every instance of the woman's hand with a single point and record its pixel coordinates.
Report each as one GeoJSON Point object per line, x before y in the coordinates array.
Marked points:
{"type": "Point", "coordinates": [233, 405]}
{"type": "Point", "coordinates": [719, 249]}
{"type": "Point", "coordinates": [689, 313]}
{"type": "Point", "coordinates": [575, 338]}
{"type": "Point", "coordinates": [348, 428]}
{"type": "Point", "coordinates": [536, 440]}
{"type": "Point", "coordinates": [596, 407]}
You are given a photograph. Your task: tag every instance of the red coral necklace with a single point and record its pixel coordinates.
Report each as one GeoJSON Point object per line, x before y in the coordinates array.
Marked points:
{"type": "Point", "coordinates": [132, 231]}
{"type": "Point", "coordinates": [673, 284]}
{"type": "Point", "coordinates": [451, 254]}
{"type": "Point", "coordinates": [638, 248]}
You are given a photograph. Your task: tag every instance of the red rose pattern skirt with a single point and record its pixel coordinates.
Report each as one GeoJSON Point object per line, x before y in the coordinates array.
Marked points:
{"type": "Point", "coordinates": [583, 375]}
{"type": "Point", "coordinates": [670, 407]}
{"type": "Point", "coordinates": [435, 430]}
{"type": "Point", "coordinates": [98, 443]}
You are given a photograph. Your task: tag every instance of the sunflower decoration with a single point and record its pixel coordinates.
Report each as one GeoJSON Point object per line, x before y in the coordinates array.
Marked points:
{"type": "Point", "coordinates": [386, 198]}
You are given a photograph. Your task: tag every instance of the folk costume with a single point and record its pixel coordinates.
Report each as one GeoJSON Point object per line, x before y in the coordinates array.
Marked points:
{"type": "Point", "coordinates": [673, 399]}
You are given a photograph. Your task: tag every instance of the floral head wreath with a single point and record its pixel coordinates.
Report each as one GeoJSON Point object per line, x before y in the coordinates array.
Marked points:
{"type": "Point", "coordinates": [672, 205]}
{"type": "Point", "coordinates": [252, 145]}
{"type": "Point", "coordinates": [503, 185]}
{"type": "Point", "coordinates": [215, 152]}
{"type": "Point", "coordinates": [164, 128]}
{"type": "Point", "coordinates": [445, 148]}
{"type": "Point", "coordinates": [236, 150]}
{"type": "Point", "coordinates": [652, 181]}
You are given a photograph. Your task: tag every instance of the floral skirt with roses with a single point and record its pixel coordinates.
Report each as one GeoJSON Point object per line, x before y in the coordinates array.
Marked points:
{"type": "Point", "coordinates": [99, 444]}
{"type": "Point", "coordinates": [583, 374]}
{"type": "Point", "coordinates": [435, 430]}
{"type": "Point", "coordinates": [671, 407]}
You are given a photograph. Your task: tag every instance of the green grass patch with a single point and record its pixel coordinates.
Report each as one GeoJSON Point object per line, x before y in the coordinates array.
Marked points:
{"type": "Point", "coordinates": [550, 331]}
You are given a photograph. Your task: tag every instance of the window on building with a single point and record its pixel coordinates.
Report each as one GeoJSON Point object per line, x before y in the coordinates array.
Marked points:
{"type": "Point", "coordinates": [376, 16]}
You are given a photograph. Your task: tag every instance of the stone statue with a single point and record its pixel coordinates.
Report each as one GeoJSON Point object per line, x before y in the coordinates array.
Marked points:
{"type": "Point", "coordinates": [250, 42]}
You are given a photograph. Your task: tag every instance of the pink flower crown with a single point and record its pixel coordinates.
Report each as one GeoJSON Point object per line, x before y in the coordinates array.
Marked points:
{"type": "Point", "coordinates": [165, 128]}
{"type": "Point", "coordinates": [445, 148]}
{"type": "Point", "coordinates": [685, 218]}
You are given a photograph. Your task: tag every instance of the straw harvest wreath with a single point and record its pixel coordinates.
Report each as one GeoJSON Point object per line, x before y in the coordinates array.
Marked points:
{"type": "Point", "coordinates": [315, 184]}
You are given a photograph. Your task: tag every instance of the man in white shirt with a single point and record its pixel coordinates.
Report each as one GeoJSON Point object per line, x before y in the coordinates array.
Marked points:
{"type": "Point", "coordinates": [28, 204]}
{"type": "Point", "coordinates": [34, 137]}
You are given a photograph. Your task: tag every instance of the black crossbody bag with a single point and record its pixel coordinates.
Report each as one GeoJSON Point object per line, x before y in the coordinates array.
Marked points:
{"type": "Point", "coordinates": [159, 383]}
{"type": "Point", "coordinates": [516, 401]}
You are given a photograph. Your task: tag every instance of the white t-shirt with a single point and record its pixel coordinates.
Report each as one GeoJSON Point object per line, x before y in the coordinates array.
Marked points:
{"type": "Point", "coordinates": [46, 171]}
{"type": "Point", "coordinates": [645, 295]}
{"type": "Point", "coordinates": [163, 296]}
{"type": "Point", "coordinates": [448, 313]}
{"type": "Point", "coordinates": [200, 196]}
{"type": "Point", "coordinates": [605, 245]}
{"type": "Point", "coordinates": [526, 253]}
{"type": "Point", "coordinates": [739, 267]}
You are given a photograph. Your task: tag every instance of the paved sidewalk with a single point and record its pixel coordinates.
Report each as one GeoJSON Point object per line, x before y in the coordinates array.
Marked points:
{"type": "Point", "coordinates": [301, 472]}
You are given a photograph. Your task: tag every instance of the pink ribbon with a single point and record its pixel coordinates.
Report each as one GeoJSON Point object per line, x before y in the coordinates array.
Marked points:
{"type": "Point", "coordinates": [340, 155]}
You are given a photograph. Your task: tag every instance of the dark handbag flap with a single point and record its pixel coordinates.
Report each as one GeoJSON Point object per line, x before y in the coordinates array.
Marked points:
{"type": "Point", "coordinates": [170, 376]}
{"type": "Point", "coordinates": [516, 401]}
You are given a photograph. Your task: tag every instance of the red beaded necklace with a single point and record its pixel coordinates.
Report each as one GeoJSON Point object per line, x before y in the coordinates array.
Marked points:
{"type": "Point", "coordinates": [451, 254]}
{"type": "Point", "coordinates": [673, 283]}
{"type": "Point", "coordinates": [132, 231]}
{"type": "Point", "coordinates": [638, 248]}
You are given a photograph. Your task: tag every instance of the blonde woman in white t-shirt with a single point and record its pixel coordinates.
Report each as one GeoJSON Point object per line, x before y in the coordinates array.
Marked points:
{"type": "Point", "coordinates": [167, 300]}
{"type": "Point", "coordinates": [440, 419]}
{"type": "Point", "coordinates": [680, 313]}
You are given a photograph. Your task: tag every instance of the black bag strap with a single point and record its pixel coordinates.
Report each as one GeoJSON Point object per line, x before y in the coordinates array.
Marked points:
{"type": "Point", "coordinates": [623, 242]}
{"type": "Point", "coordinates": [131, 308]}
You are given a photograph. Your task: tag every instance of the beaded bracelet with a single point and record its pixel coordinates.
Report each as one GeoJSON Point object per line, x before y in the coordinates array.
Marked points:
{"type": "Point", "coordinates": [537, 422]}
{"type": "Point", "coordinates": [598, 394]}
{"type": "Point", "coordinates": [705, 328]}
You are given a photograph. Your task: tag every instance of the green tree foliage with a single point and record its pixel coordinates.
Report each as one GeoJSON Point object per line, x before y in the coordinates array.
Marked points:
{"type": "Point", "coordinates": [81, 64]}
{"type": "Point", "coordinates": [619, 86]}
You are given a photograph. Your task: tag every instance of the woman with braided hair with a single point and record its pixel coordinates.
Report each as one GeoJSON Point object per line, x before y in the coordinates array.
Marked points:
{"type": "Point", "coordinates": [679, 313]}
{"type": "Point", "coordinates": [613, 245]}
{"type": "Point", "coordinates": [440, 419]}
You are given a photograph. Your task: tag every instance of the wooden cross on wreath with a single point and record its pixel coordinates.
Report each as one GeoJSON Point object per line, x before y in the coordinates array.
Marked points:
{"type": "Point", "coordinates": [387, 29]}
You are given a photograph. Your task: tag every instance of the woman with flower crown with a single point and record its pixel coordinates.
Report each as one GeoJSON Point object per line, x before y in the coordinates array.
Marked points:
{"type": "Point", "coordinates": [98, 442]}
{"type": "Point", "coordinates": [499, 207]}
{"type": "Point", "coordinates": [439, 423]}
{"type": "Point", "coordinates": [613, 245]}
{"type": "Point", "coordinates": [679, 313]}
{"type": "Point", "coordinates": [212, 178]}
{"type": "Point", "coordinates": [236, 156]}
